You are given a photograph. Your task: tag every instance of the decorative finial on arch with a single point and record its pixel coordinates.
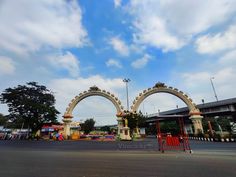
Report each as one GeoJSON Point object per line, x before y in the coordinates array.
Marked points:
{"type": "Point", "coordinates": [94, 88]}
{"type": "Point", "coordinates": [159, 84]}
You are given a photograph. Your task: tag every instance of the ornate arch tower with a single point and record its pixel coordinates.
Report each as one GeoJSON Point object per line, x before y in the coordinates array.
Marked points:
{"type": "Point", "coordinates": [195, 114]}
{"type": "Point", "coordinates": [94, 91]}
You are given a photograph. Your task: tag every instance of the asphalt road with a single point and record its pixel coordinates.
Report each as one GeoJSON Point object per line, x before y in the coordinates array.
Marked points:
{"type": "Point", "coordinates": [114, 159]}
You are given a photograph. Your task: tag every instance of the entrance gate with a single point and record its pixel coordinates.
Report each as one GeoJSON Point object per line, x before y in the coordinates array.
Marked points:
{"type": "Point", "coordinates": [123, 129]}
{"type": "Point", "coordinates": [194, 112]}
{"type": "Point", "coordinates": [167, 140]}
{"type": "Point", "coordinates": [177, 142]}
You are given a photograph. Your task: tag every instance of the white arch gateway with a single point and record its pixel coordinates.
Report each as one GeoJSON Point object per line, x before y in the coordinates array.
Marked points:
{"type": "Point", "coordinates": [194, 112]}
{"type": "Point", "coordinates": [94, 91]}
{"type": "Point", "coordinates": [123, 130]}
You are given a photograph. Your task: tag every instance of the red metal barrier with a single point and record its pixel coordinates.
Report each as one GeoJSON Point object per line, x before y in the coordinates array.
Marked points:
{"type": "Point", "coordinates": [172, 141]}
{"type": "Point", "coordinates": [169, 142]}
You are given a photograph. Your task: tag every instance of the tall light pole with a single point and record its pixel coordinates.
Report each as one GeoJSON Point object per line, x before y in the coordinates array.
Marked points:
{"type": "Point", "coordinates": [213, 88]}
{"type": "Point", "coordinates": [126, 81]}
{"type": "Point", "coordinates": [203, 101]}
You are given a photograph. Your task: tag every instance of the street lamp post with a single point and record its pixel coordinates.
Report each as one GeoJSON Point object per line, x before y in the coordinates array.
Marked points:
{"type": "Point", "coordinates": [213, 88]}
{"type": "Point", "coordinates": [203, 101]}
{"type": "Point", "coordinates": [127, 94]}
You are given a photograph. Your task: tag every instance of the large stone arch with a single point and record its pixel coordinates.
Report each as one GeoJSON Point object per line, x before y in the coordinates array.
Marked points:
{"type": "Point", "coordinates": [194, 112]}
{"type": "Point", "coordinates": [93, 91]}
{"type": "Point", "coordinates": [161, 87]}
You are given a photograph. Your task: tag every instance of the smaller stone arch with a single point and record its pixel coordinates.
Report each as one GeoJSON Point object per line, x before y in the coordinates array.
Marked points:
{"type": "Point", "coordinates": [93, 91]}
{"type": "Point", "coordinates": [161, 87]}
{"type": "Point", "coordinates": [194, 112]}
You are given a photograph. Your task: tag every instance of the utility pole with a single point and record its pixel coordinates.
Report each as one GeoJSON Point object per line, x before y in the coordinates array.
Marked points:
{"type": "Point", "coordinates": [126, 81]}
{"type": "Point", "coordinates": [211, 79]}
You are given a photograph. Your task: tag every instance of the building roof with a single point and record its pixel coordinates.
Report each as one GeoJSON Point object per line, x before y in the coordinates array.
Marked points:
{"type": "Point", "coordinates": [155, 117]}
{"type": "Point", "coordinates": [201, 106]}
{"type": "Point", "coordinates": [217, 103]}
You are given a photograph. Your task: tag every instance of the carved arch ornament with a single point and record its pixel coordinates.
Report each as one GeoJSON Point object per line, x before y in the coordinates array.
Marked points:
{"type": "Point", "coordinates": [159, 87]}
{"type": "Point", "coordinates": [93, 91]}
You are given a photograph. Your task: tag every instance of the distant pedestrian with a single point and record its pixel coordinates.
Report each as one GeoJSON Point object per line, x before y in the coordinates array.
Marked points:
{"type": "Point", "coordinates": [57, 136]}
{"type": "Point", "coordinates": [37, 135]}
{"type": "Point", "coordinates": [60, 138]}
{"type": "Point", "coordinates": [180, 139]}
{"type": "Point", "coordinates": [50, 135]}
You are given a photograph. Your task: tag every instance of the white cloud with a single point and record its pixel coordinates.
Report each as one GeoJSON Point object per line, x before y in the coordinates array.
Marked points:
{"type": "Point", "coordinates": [119, 46]}
{"type": "Point", "coordinates": [153, 31]}
{"type": "Point", "coordinates": [221, 67]}
{"type": "Point", "coordinates": [75, 86]}
{"type": "Point", "coordinates": [211, 44]}
{"type": "Point", "coordinates": [113, 63]}
{"type": "Point", "coordinates": [142, 62]}
{"type": "Point", "coordinates": [33, 25]}
{"type": "Point", "coordinates": [224, 75]}
{"type": "Point", "coordinates": [228, 59]}
{"type": "Point", "coordinates": [198, 84]}
{"type": "Point", "coordinates": [192, 79]}
{"type": "Point", "coordinates": [138, 49]}
{"type": "Point", "coordinates": [66, 61]}
{"type": "Point", "coordinates": [165, 25]}
{"type": "Point", "coordinates": [117, 3]}
{"type": "Point", "coordinates": [7, 66]}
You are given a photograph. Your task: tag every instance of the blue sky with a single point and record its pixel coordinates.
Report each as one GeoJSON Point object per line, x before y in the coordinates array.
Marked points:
{"type": "Point", "coordinates": [72, 45]}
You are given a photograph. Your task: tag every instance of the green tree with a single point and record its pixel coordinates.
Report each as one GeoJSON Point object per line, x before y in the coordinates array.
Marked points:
{"type": "Point", "coordinates": [170, 127]}
{"type": "Point", "coordinates": [136, 120]}
{"type": "Point", "coordinates": [3, 119]}
{"type": "Point", "coordinates": [32, 104]}
{"type": "Point", "coordinates": [225, 124]}
{"type": "Point", "coordinates": [88, 126]}
{"type": "Point", "coordinates": [151, 129]}
{"type": "Point", "coordinates": [223, 121]}
{"type": "Point", "coordinates": [106, 129]}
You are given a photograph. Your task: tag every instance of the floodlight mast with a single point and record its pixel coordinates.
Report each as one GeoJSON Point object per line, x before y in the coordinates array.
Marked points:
{"type": "Point", "coordinates": [211, 79]}
{"type": "Point", "coordinates": [126, 81]}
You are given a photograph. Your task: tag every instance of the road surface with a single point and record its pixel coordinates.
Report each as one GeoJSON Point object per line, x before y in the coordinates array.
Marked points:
{"type": "Point", "coordinates": [114, 159]}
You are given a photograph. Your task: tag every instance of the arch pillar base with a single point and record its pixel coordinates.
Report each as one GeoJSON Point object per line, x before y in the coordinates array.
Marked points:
{"type": "Point", "coordinates": [119, 125]}
{"type": "Point", "coordinates": [137, 133]}
{"type": "Point", "coordinates": [125, 133]}
{"type": "Point", "coordinates": [67, 122]}
{"type": "Point", "coordinates": [197, 123]}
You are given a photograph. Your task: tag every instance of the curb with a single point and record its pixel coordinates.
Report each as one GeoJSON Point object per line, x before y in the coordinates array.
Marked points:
{"type": "Point", "coordinates": [213, 139]}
